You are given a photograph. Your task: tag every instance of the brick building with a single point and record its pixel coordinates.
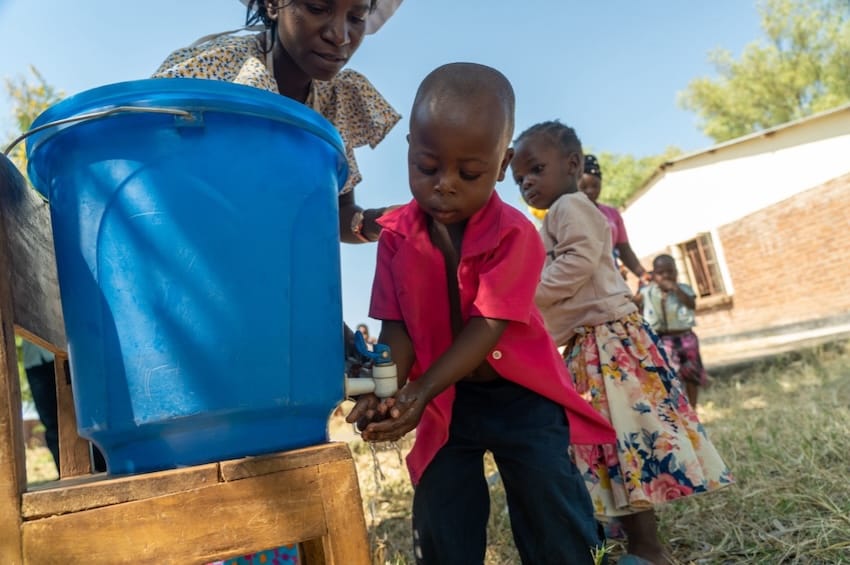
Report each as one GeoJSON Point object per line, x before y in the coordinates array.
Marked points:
{"type": "Point", "coordinates": [757, 227]}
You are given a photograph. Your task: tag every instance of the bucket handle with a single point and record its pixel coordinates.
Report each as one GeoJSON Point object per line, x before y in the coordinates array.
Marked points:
{"type": "Point", "coordinates": [97, 115]}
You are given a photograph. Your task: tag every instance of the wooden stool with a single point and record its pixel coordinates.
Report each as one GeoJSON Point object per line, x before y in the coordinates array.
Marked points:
{"type": "Point", "coordinates": [191, 515]}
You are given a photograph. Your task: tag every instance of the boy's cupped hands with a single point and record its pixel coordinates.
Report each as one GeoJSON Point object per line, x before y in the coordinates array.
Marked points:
{"type": "Point", "coordinates": [389, 419]}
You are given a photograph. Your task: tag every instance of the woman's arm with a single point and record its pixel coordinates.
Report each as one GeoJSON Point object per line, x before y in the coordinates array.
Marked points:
{"type": "Point", "coordinates": [348, 208]}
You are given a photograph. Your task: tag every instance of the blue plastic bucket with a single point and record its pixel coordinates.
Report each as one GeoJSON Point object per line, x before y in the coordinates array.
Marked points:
{"type": "Point", "coordinates": [197, 248]}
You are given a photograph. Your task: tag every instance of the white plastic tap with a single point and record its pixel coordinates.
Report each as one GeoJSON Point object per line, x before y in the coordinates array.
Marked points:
{"type": "Point", "coordinates": [384, 380]}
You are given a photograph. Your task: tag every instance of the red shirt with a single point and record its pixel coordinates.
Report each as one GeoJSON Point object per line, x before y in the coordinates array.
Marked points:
{"type": "Point", "coordinates": [500, 264]}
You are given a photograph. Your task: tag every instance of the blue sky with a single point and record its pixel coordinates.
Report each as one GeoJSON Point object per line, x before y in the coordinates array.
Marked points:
{"type": "Point", "coordinates": [609, 68]}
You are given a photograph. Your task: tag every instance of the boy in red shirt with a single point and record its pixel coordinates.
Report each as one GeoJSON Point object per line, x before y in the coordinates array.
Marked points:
{"type": "Point", "coordinates": [454, 287]}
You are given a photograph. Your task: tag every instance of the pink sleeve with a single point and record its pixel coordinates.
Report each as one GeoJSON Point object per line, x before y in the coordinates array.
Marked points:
{"type": "Point", "coordinates": [508, 278]}
{"type": "Point", "coordinates": [384, 303]}
{"type": "Point", "coordinates": [622, 236]}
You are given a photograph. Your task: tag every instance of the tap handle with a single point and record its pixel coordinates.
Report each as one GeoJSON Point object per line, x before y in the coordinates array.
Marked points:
{"type": "Point", "coordinates": [380, 354]}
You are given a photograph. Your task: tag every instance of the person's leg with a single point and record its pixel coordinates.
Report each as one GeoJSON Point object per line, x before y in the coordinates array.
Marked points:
{"type": "Point", "coordinates": [42, 381]}
{"type": "Point", "coordinates": [700, 378]}
{"type": "Point", "coordinates": [642, 532]}
{"type": "Point", "coordinates": [451, 503]}
{"type": "Point", "coordinates": [551, 511]}
{"type": "Point", "coordinates": [692, 390]}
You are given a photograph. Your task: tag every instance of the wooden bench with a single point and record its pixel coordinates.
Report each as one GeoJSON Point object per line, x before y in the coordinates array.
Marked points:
{"type": "Point", "coordinates": [190, 515]}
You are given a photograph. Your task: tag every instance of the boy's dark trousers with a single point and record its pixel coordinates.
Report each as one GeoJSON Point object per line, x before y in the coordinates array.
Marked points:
{"type": "Point", "coordinates": [550, 510]}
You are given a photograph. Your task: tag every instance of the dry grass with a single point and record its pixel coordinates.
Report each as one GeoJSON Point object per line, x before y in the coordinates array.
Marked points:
{"type": "Point", "coordinates": [782, 426]}
{"type": "Point", "coordinates": [40, 465]}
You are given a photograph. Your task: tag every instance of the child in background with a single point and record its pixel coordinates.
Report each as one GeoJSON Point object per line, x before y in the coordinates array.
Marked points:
{"type": "Point", "coordinates": [662, 452]}
{"type": "Point", "coordinates": [668, 307]}
{"type": "Point", "coordinates": [364, 331]}
{"type": "Point", "coordinates": [590, 183]}
{"type": "Point", "coordinates": [454, 289]}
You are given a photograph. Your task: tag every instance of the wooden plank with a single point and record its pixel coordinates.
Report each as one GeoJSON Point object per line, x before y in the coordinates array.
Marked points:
{"type": "Point", "coordinates": [74, 451]}
{"type": "Point", "coordinates": [312, 552]}
{"type": "Point", "coordinates": [197, 526]}
{"type": "Point", "coordinates": [95, 491]}
{"type": "Point", "coordinates": [347, 542]}
{"type": "Point", "coordinates": [35, 286]}
{"type": "Point", "coordinates": [237, 469]}
{"type": "Point", "coordinates": [13, 474]}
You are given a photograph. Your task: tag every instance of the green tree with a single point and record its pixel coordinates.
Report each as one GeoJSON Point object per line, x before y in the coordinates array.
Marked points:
{"type": "Point", "coordinates": [30, 96]}
{"type": "Point", "coordinates": [623, 175]}
{"type": "Point", "coordinates": [800, 67]}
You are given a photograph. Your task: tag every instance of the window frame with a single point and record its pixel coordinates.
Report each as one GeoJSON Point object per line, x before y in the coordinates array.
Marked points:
{"type": "Point", "coordinates": [709, 252]}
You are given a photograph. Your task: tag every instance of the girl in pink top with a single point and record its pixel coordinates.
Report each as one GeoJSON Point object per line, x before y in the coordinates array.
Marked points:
{"type": "Point", "coordinates": [662, 452]}
{"type": "Point", "coordinates": [591, 184]}
{"type": "Point", "coordinates": [454, 288]}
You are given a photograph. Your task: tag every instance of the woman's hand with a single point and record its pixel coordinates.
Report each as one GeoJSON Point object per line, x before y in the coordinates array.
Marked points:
{"type": "Point", "coordinates": [371, 228]}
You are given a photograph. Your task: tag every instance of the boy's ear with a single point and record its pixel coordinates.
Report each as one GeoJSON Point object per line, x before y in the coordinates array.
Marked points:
{"type": "Point", "coordinates": [506, 160]}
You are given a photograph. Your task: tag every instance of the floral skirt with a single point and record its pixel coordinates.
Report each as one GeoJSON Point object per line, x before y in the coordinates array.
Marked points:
{"type": "Point", "coordinates": [662, 451]}
{"type": "Point", "coordinates": [286, 555]}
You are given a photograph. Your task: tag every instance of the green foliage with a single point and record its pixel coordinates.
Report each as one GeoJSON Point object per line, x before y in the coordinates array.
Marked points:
{"type": "Point", "coordinates": [26, 394]}
{"type": "Point", "coordinates": [800, 67]}
{"type": "Point", "coordinates": [623, 175]}
{"type": "Point", "coordinates": [30, 97]}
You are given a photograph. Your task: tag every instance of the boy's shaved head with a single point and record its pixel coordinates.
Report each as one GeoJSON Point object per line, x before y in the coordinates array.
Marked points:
{"type": "Point", "coordinates": [460, 88]}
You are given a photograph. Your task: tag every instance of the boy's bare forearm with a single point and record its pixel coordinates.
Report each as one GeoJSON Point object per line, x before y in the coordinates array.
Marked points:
{"type": "Point", "coordinates": [469, 349]}
{"type": "Point", "coordinates": [394, 335]}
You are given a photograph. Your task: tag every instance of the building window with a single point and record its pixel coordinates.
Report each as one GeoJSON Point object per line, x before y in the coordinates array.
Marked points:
{"type": "Point", "coordinates": [701, 265]}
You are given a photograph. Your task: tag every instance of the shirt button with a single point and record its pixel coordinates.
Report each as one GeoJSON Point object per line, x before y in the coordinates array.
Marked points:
{"type": "Point", "coordinates": [497, 355]}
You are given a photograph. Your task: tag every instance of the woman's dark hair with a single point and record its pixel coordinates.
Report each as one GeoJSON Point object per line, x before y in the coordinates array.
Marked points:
{"type": "Point", "coordinates": [257, 13]}
{"type": "Point", "coordinates": [561, 134]}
